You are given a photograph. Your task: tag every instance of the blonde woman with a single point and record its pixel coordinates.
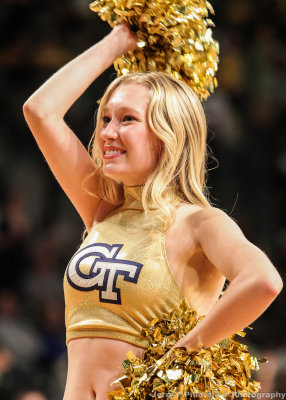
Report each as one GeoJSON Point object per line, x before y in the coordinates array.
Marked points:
{"type": "Point", "coordinates": [152, 239]}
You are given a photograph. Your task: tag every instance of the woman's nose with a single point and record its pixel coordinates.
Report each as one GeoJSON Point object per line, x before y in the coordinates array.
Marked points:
{"type": "Point", "coordinates": [110, 131]}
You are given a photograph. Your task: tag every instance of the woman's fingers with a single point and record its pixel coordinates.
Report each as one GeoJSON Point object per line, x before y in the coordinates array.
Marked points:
{"type": "Point", "coordinates": [127, 35]}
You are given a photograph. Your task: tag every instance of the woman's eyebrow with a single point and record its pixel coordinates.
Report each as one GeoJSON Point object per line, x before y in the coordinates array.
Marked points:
{"type": "Point", "coordinates": [123, 108]}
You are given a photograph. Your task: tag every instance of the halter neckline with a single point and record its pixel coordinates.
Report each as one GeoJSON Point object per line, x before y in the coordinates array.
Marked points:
{"type": "Point", "coordinates": [133, 197]}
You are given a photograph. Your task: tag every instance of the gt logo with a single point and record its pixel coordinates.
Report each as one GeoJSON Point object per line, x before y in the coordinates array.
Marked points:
{"type": "Point", "coordinates": [104, 266]}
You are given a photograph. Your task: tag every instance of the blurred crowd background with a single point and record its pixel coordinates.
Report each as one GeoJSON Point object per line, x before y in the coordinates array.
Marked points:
{"type": "Point", "coordinates": [40, 230]}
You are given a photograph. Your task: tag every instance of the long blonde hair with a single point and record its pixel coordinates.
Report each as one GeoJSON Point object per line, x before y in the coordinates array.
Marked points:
{"type": "Point", "coordinates": [176, 116]}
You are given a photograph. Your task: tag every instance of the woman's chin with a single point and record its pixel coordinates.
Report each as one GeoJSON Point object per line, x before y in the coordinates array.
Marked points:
{"type": "Point", "coordinates": [112, 174]}
{"type": "Point", "coordinates": [124, 177]}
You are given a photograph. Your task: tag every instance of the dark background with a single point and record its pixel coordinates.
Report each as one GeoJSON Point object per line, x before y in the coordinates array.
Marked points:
{"type": "Point", "coordinates": [40, 230]}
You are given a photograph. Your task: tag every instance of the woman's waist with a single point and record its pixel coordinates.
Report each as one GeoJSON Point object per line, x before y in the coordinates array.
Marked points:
{"type": "Point", "coordinates": [99, 354]}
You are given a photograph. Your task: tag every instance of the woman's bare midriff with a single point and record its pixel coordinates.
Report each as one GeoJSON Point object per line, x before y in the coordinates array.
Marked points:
{"type": "Point", "coordinates": [93, 363]}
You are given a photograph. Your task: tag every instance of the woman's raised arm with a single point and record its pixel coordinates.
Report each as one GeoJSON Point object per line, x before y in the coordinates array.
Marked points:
{"type": "Point", "coordinates": [44, 112]}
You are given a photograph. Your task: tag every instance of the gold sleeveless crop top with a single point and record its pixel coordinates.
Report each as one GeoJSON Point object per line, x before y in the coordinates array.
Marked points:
{"type": "Point", "coordinates": [119, 279]}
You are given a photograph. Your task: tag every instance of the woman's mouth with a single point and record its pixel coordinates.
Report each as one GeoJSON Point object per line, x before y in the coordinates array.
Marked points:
{"type": "Point", "coordinates": [113, 153]}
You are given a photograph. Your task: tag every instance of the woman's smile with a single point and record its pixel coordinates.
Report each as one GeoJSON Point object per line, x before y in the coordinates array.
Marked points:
{"type": "Point", "coordinates": [112, 152]}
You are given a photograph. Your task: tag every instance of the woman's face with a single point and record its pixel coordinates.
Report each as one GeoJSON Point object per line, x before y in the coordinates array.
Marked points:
{"type": "Point", "coordinates": [130, 149]}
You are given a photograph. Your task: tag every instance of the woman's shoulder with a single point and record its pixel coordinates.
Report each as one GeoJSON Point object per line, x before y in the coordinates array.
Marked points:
{"type": "Point", "coordinates": [210, 225]}
{"type": "Point", "coordinates": [199, 213]}
{"type": "Point", "coordinates": [199, 224]}
{"type": "Point", "coordinates": [194, 216]}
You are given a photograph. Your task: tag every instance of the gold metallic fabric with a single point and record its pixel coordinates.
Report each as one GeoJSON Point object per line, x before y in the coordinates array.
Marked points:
{"type": "Point", "coordinates": [221, 372]}
{"type": "Point", "coordinates": [174, 37]}
{"type": "Point", "coordinates": [119, 279]}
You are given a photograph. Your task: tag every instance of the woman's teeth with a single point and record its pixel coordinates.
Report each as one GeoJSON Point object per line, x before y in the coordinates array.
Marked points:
{"type": "Point", "coordinates": [108, 152]}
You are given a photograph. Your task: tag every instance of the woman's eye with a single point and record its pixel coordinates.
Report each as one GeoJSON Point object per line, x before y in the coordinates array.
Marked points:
{"type": "Point", "coordinates": [106, 120]}
{"type": "Point", "coordinates": [128, 118]}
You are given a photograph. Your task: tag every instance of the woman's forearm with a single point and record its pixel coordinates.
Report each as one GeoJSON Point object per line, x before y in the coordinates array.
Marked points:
{"type": "Point", "coordinates": [60, 91]}
{"type": "Point", "coordinates": [241, 304]}
{"type": "Point", "coordinates": [255, 282]}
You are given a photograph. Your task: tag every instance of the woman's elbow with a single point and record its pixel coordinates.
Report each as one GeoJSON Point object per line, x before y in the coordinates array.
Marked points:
{"type": "Point", "coordinates": [265, 275]}
{"type": "Point", "coordinates": [32, 110]}
{"type": "Point", "coordinates": [27, 109]}
{"type": "Point", "coordinates": [273, 285]}
{"type": "Point", "coordinates": [36, 109]}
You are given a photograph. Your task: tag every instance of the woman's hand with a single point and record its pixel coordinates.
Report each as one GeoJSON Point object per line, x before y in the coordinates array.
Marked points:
{"type": "Point", "coordinates": [180, 344]}
{"type": "Point", "coordinates": [127, 39]}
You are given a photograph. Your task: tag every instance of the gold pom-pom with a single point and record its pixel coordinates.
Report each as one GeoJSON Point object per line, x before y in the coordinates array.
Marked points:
{"type": "Point", "coordinates": [174, 37]}
{"type": "Point", "coordinates": [221, 372]}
